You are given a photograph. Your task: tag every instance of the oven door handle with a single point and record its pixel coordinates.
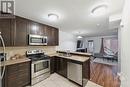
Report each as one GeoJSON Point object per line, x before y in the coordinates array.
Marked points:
{"type": "Point", "coordinates": [41, 61]}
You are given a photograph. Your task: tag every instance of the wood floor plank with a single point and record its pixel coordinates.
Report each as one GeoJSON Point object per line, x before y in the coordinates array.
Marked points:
{"type": "Point", "coordinates": [104, 75]}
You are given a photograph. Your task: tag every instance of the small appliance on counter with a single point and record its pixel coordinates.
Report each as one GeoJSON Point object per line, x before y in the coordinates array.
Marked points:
{"type": "Point", "coordinates": [64, 53]}
{"type": "Point", "coordinates": [40, 65]}
{"type": "Point", "coordinates": [2, 56]}
{"type": "Point", "coordinates": [68, 53]}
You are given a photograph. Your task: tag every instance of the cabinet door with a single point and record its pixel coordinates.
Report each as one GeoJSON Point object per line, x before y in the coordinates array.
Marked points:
{"type": "Point", "coordinates": [86, 70]}
{"type": "Point", "coordinates": [49, 35]}
{"type": "Point", "coordinates": [52, 65]}
{"type": "Point", "coordinates": [6, 29]}
{"type": "Point", "coordinates": [53, 36]}
{"type": "Point", "coordinates": [42, 29]}
{"type": "Point", "coordinates": [17, 75]}
{"type": "Point", "coordinates": [56, 35]}
{"type": "Point", "coordinates": [24, 76]}
{"type": "Point", "coordinates": [53, 39]}
{"type": "Point", "coordinates": [20, 37]}
{"type": "Point", "coordinates": [61, 66]}
{"type": "Point", "coordinates": [58, 65]}
{"type": "Point", "coordinates": [35, 28]}
{"type": "Point", "coordinates": [12, 76]}
{"type": "Point", "coordinates": [64, 67]}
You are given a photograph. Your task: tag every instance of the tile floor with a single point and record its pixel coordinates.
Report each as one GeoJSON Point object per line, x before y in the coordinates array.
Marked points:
{"type": "Point", "coordinates": [56, 80]}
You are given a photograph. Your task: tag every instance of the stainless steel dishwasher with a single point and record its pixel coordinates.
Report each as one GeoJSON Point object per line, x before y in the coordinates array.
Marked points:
{"type": "Point", "coordinates": [74, 72]}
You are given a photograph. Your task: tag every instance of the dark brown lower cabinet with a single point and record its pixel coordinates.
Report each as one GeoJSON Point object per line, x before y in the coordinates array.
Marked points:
{"type": "Point", "coordinates": [86, 72]}
{"type": "Point", "coordinates": [86, 69]}
{"type": "Point", "coordinates": [17, 75]}
{"type": "Point", "coordinates": [52, 65]}
{"type": "Point", "coordinates": [59, 65]}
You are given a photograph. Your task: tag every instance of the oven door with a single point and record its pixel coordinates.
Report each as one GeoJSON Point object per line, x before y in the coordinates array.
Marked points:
{"type": "Point", "coordinates": [37, 40]}
{"type": "Point", "coordinates": [40, 67]}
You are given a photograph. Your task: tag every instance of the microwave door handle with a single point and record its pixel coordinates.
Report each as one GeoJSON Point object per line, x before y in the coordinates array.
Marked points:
{"type": "Point", "coordinates": [2, 73]}
{"type": "Point", "coordinates": [46, 40]}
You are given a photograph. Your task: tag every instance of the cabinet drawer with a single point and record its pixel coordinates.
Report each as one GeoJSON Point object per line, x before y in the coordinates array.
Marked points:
{"type": "Point", "coordinates": [12, 69]}
{"type": "Point", "coordinates": [23, 65]}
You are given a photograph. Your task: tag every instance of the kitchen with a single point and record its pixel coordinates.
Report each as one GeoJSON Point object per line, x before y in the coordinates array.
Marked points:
{"type": "Point", "coordinates": [30, 33]}
{"type": "Point", "coordinates": [38, 43]}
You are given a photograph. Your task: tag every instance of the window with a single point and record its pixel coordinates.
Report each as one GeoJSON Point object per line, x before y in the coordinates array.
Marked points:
{"type": "Point", "coordinates": [90, 46]}
{"type": "Point", "coordinates": [79, 44]}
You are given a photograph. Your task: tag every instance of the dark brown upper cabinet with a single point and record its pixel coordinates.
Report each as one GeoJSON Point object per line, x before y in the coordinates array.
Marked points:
{"type": "Point", "coordinates": [6, 31]}
{"type": "Point", "coordinates": [21, 32]}
{"type": "Point", "coordinates": [53, 36]}
{"type": "Point", "coordinates": [49, 35]}
{"type": "Point", "coordinates": [35, 28]}
{"type": "Point", "coordinates": [15, 31]}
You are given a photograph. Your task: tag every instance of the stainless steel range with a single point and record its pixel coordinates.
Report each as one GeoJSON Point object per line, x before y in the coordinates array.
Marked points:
{"type": "Point", "coordinates": [40, 66]}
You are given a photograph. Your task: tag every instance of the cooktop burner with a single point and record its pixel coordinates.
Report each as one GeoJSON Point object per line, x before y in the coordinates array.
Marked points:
{"type": "Point", "coordinates": [36, 55]}
{"type": "Point", "coordinates": [40, 57]}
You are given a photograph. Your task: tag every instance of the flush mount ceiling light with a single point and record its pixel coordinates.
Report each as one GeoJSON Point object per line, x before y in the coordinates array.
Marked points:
{"type": "Point", "coordinates": [98, 24]}
{"type": "Point", "coordinates": [99, 10]}
{"type": "Point", "coordinates": [53, 17]}
{"type": "Point", "coordinates": [79, 37]}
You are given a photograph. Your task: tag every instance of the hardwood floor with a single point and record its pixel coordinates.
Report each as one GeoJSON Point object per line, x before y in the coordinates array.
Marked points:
{"type": "Point", "coordinates": [104, 75]}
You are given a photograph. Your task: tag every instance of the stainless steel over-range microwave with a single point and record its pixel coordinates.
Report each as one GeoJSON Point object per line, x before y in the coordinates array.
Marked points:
{"type": "Point", "coordinates": [37, 40]}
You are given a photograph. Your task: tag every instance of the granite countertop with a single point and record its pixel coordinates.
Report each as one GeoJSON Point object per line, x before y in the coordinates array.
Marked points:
{"type": "Point", "coordinates": [85, 54]}
{"type": "Point", "coordinates": [15, 61]}
{"type": "Point", "coordinates": [72, 57]}
{"type": "Point", "coordinates": [77, 53]}
{"type": "Point", "coordinates": [77, 56]}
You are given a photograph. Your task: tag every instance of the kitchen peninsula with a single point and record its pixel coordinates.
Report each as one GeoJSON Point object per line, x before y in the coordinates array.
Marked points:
{"type": "Point", "coordinates": [75, 67]}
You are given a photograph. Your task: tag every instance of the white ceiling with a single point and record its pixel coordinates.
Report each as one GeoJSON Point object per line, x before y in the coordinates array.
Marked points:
{"type": "Point", "coordinates": [74, 15]}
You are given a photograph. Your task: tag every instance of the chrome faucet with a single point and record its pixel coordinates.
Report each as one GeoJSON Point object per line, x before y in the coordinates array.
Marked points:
{"type": "Point", "coordinates": [68, 53]}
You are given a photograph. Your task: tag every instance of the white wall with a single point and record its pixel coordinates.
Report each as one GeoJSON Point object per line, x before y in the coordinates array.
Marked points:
{"type": "Point", "coordinates": [67, 41]}
{"type": "Point", "coordinates": [125, 45]}
{"type": "Point", "coordinates": [97, 41]}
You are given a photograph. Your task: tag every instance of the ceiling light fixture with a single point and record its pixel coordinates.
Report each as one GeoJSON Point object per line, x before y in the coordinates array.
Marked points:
{"type": "Point", "coordinates": [79, 37]}
{"type": "Point", "coordinates": [53, 17]}
{"type": "Point", "coordinates": [99, 10]}
{"type": "Point", "coordinates": [98, 24]}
